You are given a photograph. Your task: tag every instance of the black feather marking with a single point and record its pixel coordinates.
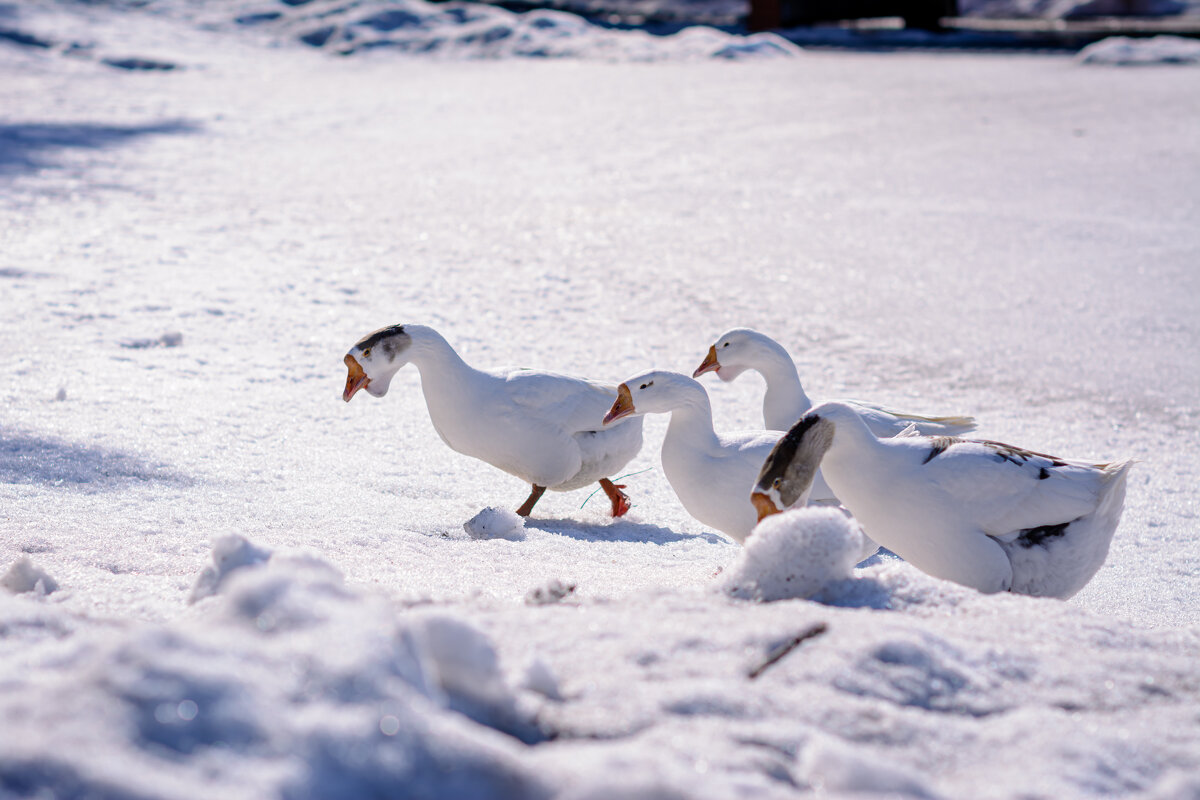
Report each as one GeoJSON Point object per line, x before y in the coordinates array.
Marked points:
{"type": "Point", "coordinates": [372, 339]}
{"type": "Point", "coordinates": [1018, 455]}
{"type": "Point", "coordinates": [784, 451]}
{"type": "Point", "coordinates": [939, 445]}
{"type": "Point", "coordinates": [1045, 473]}
{"type": "Point", "coordinates": [1035, 536]}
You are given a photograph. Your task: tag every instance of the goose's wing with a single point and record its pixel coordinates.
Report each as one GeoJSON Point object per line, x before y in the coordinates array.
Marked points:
{"type": "Point", "coordinates": [887, 422]}
{"type": "Point", "coordinates": [1007, 489]}
{"type": "Point", "coordinates": [570, 403]}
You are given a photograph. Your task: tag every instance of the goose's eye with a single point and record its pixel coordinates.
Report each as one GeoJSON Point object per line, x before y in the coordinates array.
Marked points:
{"type": "Point", "coordinates": [776, 483]}
{"type": "Point", "coordinates": [367, 353]}
{"type": "Point", "coordinates": [725, 345]}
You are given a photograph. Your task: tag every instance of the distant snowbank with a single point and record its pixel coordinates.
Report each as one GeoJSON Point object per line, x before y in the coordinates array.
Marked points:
{"type": "Point", "coordinates": [1123, 51]}
{"type": "Point", "coordinates": [451, 31]}
{"type": "Point", "coordinates": [480, 31]}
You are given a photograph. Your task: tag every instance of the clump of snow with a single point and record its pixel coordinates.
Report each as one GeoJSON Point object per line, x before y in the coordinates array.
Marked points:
{"type": "Point", "coordinates": [229, 553]}
{"type": "Point", "coordinates": [1125, 51]}
{"type": "Point", "coordinates": [24, 576]}
{"type": "Point", "coordinates": [795, 554]}
{"type": "Point", "coordinates": [551, 592]}
{"type": "Point", "coordinates": [496, 523]}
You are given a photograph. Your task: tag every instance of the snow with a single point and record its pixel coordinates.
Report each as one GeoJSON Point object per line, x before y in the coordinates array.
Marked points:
{"type": "Point", "coordinates": [496, 523]}
{"type": "Point", "coordinates": [1009, 236]}
{"type": "Point", "coordinates": [25, 576]}
{"type": "Point", "coordinates": [1124, 51]}
{"type": "Point", "coordinates": [229, 553]}
{"type": "Point", "coordinates": [796, 554]}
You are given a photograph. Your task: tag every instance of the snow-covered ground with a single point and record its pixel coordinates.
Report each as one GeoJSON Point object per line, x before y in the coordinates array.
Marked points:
{"type": "Point", "coordinates": [235, 585]}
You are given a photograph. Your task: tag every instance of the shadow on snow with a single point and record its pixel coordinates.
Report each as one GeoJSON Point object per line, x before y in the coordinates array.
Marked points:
{"type": "Point", "coordinates": [619, 532]}
{"type": "Point", "coordinates": [28, 146]}
{"type": "Point", "coordinates": [30, 459]}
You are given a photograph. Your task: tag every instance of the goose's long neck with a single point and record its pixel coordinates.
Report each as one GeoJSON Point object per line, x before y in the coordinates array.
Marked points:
{"type": "Point", "coordinates": [444, 375]}
{"type": "Point", "coordinates": [854, 450]}
{"type": "Point", "coordinates": [785, 399]}
{"type": "Point", "coordinates": [691, 419]}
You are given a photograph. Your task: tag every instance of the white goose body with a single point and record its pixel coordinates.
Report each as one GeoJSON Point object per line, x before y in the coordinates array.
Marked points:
{"type": "Point", "coordinates": [542, 427]}
{"type": "Point", "coordinates": [711, 473]}
{"type": "Point", "coordinates": [785, 400]}
{"type": "Point", "coordinates": [980, 513]}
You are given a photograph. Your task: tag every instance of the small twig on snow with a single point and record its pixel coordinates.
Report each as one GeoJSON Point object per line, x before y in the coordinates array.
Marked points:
{"type": "Point", "coordinates": [787, 647]}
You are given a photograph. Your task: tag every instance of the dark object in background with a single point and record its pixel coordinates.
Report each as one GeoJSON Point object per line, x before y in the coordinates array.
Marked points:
{"type": "Point", "coordinates": [924, 14]}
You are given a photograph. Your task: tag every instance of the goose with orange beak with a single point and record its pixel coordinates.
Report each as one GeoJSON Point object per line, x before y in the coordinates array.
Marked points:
{"type": "Point", "coordinates": [712, 474]}
{"type": "Point", "coordinates": [542, 427]}
{"type": "Point", "coordinates": [785, 401]}
{"type": "Point", "coordinates": [983, 514]}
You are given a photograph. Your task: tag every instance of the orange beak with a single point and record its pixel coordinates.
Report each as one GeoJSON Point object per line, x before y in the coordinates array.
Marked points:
{"type": "Point", "coordinates": [710, 363]}
{"type": "Point", "coordinates": [357, 379]}
{"type": "Point", "coordinates": [763, 505]}
{"type": "Point", "coordinates": [623, 406]}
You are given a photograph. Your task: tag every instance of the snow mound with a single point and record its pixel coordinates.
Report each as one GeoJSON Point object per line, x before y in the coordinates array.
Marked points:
{"type": "Point", "coordinates": [479, 31]}
{"type": "Point", "coordinates": [496, 523]}
{"type": "Point", "coordinates": [795, 554]}
{"type": "Point", "coordinates": [835, 768]}
{"type": "Point", "coordinates": [1123, 51]}
{"type": "Point", "coordinates": [23, 576]}
{"type": "Point", "coordinates": [355, 700]}
{"type": "Point", "coordinates": [229, 553]}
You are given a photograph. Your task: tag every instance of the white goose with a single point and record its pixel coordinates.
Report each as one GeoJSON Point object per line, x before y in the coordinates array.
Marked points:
{"type": "Point", "coordinates": [711, 473]}
{"type": "Point", "coordinates": [980, 513]}
{"type": "Point", "coordinates": [539, 426]}
{"type": "Point", "coordinates": [785, 401]}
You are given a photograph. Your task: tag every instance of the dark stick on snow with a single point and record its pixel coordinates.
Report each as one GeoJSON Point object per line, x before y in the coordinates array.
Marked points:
{"type": "Point", "coordinates": [787, 647]}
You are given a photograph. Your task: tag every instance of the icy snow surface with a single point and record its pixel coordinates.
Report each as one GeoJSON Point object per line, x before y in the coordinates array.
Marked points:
{"type": "Point", "coordinates": [1012, 237]}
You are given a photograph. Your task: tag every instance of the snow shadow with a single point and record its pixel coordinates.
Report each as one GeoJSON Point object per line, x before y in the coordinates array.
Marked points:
{"type": "Point", "coordinates": [857, 592]}
{"type": "Point", "coordinates": [619, 532]}
{"type": "Point", "coordinates": [27, 458]}
{"type": "Point", "coordinates": [30, 146]}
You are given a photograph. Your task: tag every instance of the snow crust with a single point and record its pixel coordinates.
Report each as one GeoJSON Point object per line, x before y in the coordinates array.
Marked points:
{"type": "Point", "coordinates": [1009, 236]}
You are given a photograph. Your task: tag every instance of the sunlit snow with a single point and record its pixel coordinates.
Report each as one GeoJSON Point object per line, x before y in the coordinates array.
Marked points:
{"type": "Point", "coordinates": [221, 581]}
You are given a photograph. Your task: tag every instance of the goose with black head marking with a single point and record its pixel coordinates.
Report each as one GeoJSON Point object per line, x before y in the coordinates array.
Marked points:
{"type": "Point", "coordinates": [542, 427]}
{"type": "Point", "coordinates": [983, 514]}
{"type": "Point", "coordinates": [785, 401]}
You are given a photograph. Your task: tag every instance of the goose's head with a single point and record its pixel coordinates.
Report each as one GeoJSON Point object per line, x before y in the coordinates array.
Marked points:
{"type": "Point", "coordinates": [787, 474]}
{"type": "Point", "coordinates": [735, 352]}
{"type": "Point", "coordinates": [374, 359]}
{"type": "Point", "coordinates": [655, 391]}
